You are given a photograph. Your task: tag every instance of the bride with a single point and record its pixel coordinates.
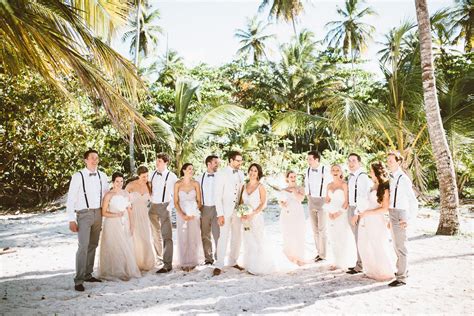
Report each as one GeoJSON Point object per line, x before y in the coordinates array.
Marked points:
{"type": "Point", "coordinates": [257, 260]}
{"type": "Point", "coordinates": [374, 246]}
{"type": "Point", "coordinates": [117, 260]}
{"type": "Point", "coordinates": [340, 235]}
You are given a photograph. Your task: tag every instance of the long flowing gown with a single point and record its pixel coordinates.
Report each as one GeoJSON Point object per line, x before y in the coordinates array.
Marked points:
{"type": "Point", "coordinates": [189, 232]}
{"type": "Point", "coordinates": [292, 223]}
{"type": "Point", "coordinates": [378, 257]}
{"type": "Point", "coordinates": [257, 257]}
{"type": "Point", "coordinates": [141, 231]}
{"type": "Point", "coordinates": [341, 238]}
{"type": "Point", "coordinates": [117, 260]}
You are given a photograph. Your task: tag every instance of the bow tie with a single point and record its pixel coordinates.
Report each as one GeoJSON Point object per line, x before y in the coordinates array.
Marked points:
{"type": "Point", "coordinates": [92, 174]}
{"type": "Point", "coordinates": [210, 175]}
{"type": "Point", "coordinates": [314, 170]}
{"type": "Point", "coordinates": [159, 173]}
{"type": "Point", "coordinates": [391, 176]}
{"type": "Point", "coordinates": [235, 171]}
{"type": "Point", "coordinates": [351, 174]}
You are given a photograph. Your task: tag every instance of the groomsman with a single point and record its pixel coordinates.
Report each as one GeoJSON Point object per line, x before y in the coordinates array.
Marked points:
{"type": "Point", "coordinates": [316, 180]}
{"type": "Point", "coordinates": [162, 183]}
{"type": "Point", "coordinates": [359, 190]}
{"type": "Point", "coordinates": [227, 187]}
{"type": "Point", "coordinates": [83, 207]}
{"type": "Point", "coordinates": [403, 205]}
{"type": "Point", "coordinates": [208, 210]}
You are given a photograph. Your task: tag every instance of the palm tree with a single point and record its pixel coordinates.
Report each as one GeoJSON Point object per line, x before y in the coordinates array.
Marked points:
{"type": "Point", "coordinates": [350, 33]}
{"type": "Point", "coordinates": [168, 67]}
{"type": "Point", "coordinates": [144, 38]}
{"type": "Point", "coordinates": [287, 10]}
{"type": "Point", "coordinates": [253, 39]}
{"type": "Point", "coordinates": [449, 217]}
{"type": "Point", "coordinates": [148, 34]}
{"type": "Point", "coordinates": [193, 123]}
{"type": "Point", "coordinates": [56, 40]}
{"type": "Point", "coordinates": [462, 19]}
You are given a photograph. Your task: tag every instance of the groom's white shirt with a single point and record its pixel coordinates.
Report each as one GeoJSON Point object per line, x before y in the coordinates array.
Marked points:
{"type": "Point", "coordinates": [406, 198]}
{"type": "Point", "coordinates": [75, 196]}
{"type": "Point", "coordinates": [364, 185]}
{"type": "Point", "coordinates": [227, 186]}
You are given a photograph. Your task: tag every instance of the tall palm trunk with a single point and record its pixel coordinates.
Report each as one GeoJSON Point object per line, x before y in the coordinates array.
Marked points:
{"type": "Point", "coordinates": [449, 217]}
{"type": "Point", "coordinates": [132, 125]}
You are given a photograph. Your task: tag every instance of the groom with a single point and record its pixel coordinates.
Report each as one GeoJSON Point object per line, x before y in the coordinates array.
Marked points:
{"type": "Point", "coordinates": [83, 208]}
{"type": "Point", "coordinates": [227, 190]}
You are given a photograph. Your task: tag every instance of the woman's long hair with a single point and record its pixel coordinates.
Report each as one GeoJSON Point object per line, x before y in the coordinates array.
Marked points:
{"type": "Point", "coordinates": [142, 170]}
{"type": "Point", "coordinates": [382, 177]}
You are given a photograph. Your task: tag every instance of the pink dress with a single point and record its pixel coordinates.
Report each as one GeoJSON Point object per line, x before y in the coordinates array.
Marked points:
{"type": "Point", "coordinates": [189, 232]}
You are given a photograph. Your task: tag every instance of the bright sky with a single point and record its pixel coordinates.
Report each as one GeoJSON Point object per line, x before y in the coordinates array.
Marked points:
{"type": "Point", "coordinates": [203, 31]}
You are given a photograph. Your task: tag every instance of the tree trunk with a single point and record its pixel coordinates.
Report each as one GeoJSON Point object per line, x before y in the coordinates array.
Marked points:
{"type": "Point", "coordinates": [131, 144]}
{"type": "Point", "coordinates": [449, 215]}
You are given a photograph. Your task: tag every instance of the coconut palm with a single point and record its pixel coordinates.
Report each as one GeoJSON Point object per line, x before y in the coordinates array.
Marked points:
{"type": "Point", "coordinates": [462, 19]}
{"type": "Point", "coordinates": [193, 123]}
{"type": "Point", "coordinates": [287, 10]}
{"type": "Point", "coordinates": [449, 217]}
{"type": "Point", "coordinates": [253, 39]}
{"type": "Point", "coordinates": [52, 38]}
{"type": "Point", "coordinates": [350, 33]}
{"type": "Point", "coordinates": [149, 31]}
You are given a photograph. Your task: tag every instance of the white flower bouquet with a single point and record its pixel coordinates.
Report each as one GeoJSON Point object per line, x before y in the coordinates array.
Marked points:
{"type": "Point", "coordinates": [242, 210]}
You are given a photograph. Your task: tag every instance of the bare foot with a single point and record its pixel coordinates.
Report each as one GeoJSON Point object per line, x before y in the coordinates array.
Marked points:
{"type": "Point", "coordinates": [332, 268]}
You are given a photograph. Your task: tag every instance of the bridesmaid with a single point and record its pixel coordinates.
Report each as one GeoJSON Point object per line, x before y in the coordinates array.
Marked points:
{"type": "Point", "coordinates": [374, 247]}
{"type": "Point", "coordinates": [187, 200]}
{"type": "Point", "coordinates": [292, 220]}
{"type": "Point", "coordinates": [117, 260]}
{"type": "Point", "coordinates": [140, 196]}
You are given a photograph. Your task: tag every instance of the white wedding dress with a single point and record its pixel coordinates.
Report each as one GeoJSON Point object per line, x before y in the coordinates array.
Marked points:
{"type": "Point", "coordinates": [117, 260]}
{"type": "Point", "coordinates": [257, 258]}
{"type": "Point", "coordinates": [341, 238]}
{"type": "Point", "coordinates": [292, 223]}
{"type": "Point", "coordinates": [378, 257]}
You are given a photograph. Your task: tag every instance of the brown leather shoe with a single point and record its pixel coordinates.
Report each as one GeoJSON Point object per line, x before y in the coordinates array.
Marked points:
{"type": "Point", "coordinates": [92, 279]}
{"type": "Point", "coordinates": [164, 270]}
{"type": "Point", "coordinates": [238, 267]}
{"type": "Point", "coordinates": [79, 287]}
{"type": "Point", "coordinates": [216, 272]}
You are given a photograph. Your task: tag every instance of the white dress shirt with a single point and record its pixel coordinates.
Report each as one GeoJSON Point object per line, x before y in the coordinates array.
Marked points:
{"type": "Point", "coordinates": [158, 186]}
{"type": "Point", "coordinates": [406, 198]}
{"type": "Point", "coordinates": [312, 181]}
{"type": "Point", "coordinates": [75, 197]}
{"type": "Point", "coordinates": [364, 185]}
{"type": "Point", "coordinates": [206, 181]}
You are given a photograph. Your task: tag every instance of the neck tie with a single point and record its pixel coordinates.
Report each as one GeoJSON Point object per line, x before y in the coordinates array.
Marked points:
{"type": "Point", "coordinates": [210, 175]}
{"type": "Point", "coordinates": [92, 174]}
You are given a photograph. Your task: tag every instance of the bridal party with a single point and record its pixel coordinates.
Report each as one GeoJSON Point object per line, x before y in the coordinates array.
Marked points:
{"type": "Point", "coordinates": [358, 219]}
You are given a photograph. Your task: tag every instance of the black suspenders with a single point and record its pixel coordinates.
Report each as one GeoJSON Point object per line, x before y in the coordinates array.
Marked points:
{"type": "Point", "coordinates": [164, 189]}
{"type": "Point", "coordinates": [202, 187]}
{"type": "Point", "coordinates": [84, 189]}
{"type": "Point", "coordinates": [396, 190]}
{"type": "Point", "coordinates": [322, 181]}
{"type": "Point", "coordinates": [355, 193]}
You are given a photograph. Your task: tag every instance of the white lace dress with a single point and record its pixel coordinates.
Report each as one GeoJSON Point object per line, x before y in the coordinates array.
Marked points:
{"type": "Point", "coordinates": [340, 236]}
{"type": "Point", "coordinates": [378, 257]}
{"type": "Point", "coordinates": [117, 259]}
{"type": "Point", "coordinates": [257, 258]}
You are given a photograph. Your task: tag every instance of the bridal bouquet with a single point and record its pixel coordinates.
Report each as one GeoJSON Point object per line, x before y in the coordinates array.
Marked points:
{"type": "Point", "coordinates": [242, 210]}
